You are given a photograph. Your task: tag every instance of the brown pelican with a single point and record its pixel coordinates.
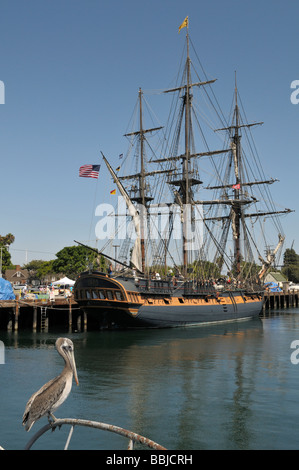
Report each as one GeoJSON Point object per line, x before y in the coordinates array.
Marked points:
{"type": "Point", "coordinates": [48, 398]}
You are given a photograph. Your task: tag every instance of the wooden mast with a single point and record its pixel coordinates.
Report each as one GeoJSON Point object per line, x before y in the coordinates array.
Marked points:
{"type": "Point", "coordinates": [239, 201]}
{"type": "Point", "coordinates": [185, 181]}
{"type": "Point", "coordinates": [236, 207]}
{"type": "Point", "coordinates": [142, 181]}
{"type": "Point", "coordinates": [141, 197]}
{"type": "Point", "coordinates": [186, 198]}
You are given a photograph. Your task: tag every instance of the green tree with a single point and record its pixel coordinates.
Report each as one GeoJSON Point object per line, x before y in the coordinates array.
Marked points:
{"type": "Point", "coordinates": [204, 269]}
{"type": "Point", "coordinates": [45, 268]}
{"type": "Point", "coordinates": [72, 260]}
{"type": "Point", "coordinates": [290, 257]}
{"type": "Point", "coordinates": [5, 256]}
{"type": "Point", "coordinates": [33, 266]}
{"type": "Point", "coordinates": [7, 239]}
{"type": "Point", "coordinates": [249, 270]}
{"type": "Point", "coordinates": [291, 265]}
{"type": "Point", "coordinates": [38, 268]}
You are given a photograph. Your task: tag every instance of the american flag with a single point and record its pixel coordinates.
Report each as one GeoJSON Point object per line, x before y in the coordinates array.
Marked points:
{"type": "Point", "coordinates": [89, 171]}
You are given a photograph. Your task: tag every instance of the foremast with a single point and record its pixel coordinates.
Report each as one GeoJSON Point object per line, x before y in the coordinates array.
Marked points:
{"type": "Point", "coordinates": [140, 194]}
{"type": "Point", "coordinates": [141, 197]}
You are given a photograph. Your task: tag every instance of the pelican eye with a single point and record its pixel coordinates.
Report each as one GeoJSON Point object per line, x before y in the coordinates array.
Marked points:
{"type": "Point", "coordinates": [67, 347]}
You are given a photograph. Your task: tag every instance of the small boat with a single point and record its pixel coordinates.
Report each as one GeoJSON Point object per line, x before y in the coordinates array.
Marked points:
{"type": "Point", "coordinates": [220, 275]}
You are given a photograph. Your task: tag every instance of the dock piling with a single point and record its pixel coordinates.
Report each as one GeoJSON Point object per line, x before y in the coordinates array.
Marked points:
{"type": "Point", "coordinates": [16, 314]}
{"type": "Point", "coordinates": [34, 322]}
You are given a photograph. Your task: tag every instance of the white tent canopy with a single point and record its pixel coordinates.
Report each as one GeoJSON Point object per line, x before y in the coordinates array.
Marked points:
{"type": "Point", "coordinates": [65, 281]}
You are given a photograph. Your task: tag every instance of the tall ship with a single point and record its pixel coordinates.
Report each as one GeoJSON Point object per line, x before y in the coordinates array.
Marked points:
{"type": "Point", "coordinates": [188, 258]}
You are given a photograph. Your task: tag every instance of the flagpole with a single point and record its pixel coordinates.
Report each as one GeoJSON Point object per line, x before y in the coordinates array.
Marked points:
{"type": "Point", "coordinates": [93, 208]}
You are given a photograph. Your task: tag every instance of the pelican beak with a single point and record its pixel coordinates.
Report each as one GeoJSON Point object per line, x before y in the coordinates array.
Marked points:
{"type": "Point", "coordinates": [75, 375]}
{"type": "Point", "coordinates": [73, 366]}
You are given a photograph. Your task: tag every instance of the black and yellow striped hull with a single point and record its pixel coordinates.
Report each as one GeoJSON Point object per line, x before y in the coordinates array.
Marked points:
{"type": "Point", "coordinates": [121, 303]}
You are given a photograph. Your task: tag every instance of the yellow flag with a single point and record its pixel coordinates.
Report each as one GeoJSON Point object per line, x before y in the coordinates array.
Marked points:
{"type": "Point", "coordinates": [113, 191]}
{"type": "Point", "coordinates": [184, 24]}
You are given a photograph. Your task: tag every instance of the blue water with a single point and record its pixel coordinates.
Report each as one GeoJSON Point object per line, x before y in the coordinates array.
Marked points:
{"type": "Point", "coordinates": [217, 387]}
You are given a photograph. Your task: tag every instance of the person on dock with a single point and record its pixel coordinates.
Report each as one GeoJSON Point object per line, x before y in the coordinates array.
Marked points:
{"type": "Point", "coordinates": [110, 269]}
{"type": "Point", "coordinates": [24, 291]}
{"type": "Point", "coordinates": [52, 294]}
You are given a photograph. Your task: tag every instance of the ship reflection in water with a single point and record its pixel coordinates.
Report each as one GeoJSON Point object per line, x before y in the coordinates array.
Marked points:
{"type": "Point", "coordinates": [227, 386]}
{"type": "Point", "coordinates": [187, 385]}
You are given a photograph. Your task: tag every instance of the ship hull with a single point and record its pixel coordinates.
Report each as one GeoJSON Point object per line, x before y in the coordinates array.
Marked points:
{"type": "Point", "coordinates": [168, 317]}
{"type": "Point", "coordinates": [110, 304]}
{"type": "Point", "coordinates": [193, 315]}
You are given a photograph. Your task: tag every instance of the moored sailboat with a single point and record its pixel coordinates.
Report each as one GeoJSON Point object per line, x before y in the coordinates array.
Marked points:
{"type": "Point", "coordinates": [194, 291]}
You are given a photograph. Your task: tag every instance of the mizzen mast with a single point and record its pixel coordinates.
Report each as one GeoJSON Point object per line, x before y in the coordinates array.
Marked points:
{"type": "Point", "coordinates": [237, 203]}
{"type": "Point", "coordinates": [240, 197]}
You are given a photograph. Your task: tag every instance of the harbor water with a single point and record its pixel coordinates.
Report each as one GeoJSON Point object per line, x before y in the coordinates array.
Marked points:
{"type": "Point", "coordinates": [232, 386]}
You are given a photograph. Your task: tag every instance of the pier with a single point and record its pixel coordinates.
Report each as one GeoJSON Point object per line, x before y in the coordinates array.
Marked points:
{"type": "Point", "coordinates": [40, 314]}
{"type": "Point", "coordinates": [280, 300]}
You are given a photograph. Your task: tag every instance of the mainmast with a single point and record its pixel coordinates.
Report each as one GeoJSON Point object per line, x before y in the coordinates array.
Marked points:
{"type": "Point", "coordinates": [142, 172]}
{"type": "Point", "coordinates": [186, 194]}
{"type": "Point", "coordinates": [187, 100]}
{"type": "Point", "coordinates": [141, 176]}
{"type": "Point", "coordinates": [186, 179]}
{"type": "Point", "coordinates": [236, 207]}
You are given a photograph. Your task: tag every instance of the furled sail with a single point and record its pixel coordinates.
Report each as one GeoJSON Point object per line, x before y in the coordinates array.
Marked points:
{"type": "Point", "coordinates": [136, 253]}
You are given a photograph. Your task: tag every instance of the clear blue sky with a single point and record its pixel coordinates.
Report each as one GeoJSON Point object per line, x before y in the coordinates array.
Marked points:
{"type": "Point", "coordinates": [72, 69]}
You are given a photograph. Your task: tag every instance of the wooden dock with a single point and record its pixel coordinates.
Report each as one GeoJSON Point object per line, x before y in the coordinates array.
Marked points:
{"type": "Point", "coordinates": [280, 300]}
{"type": "Point", "coordinates": [39, 314]}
